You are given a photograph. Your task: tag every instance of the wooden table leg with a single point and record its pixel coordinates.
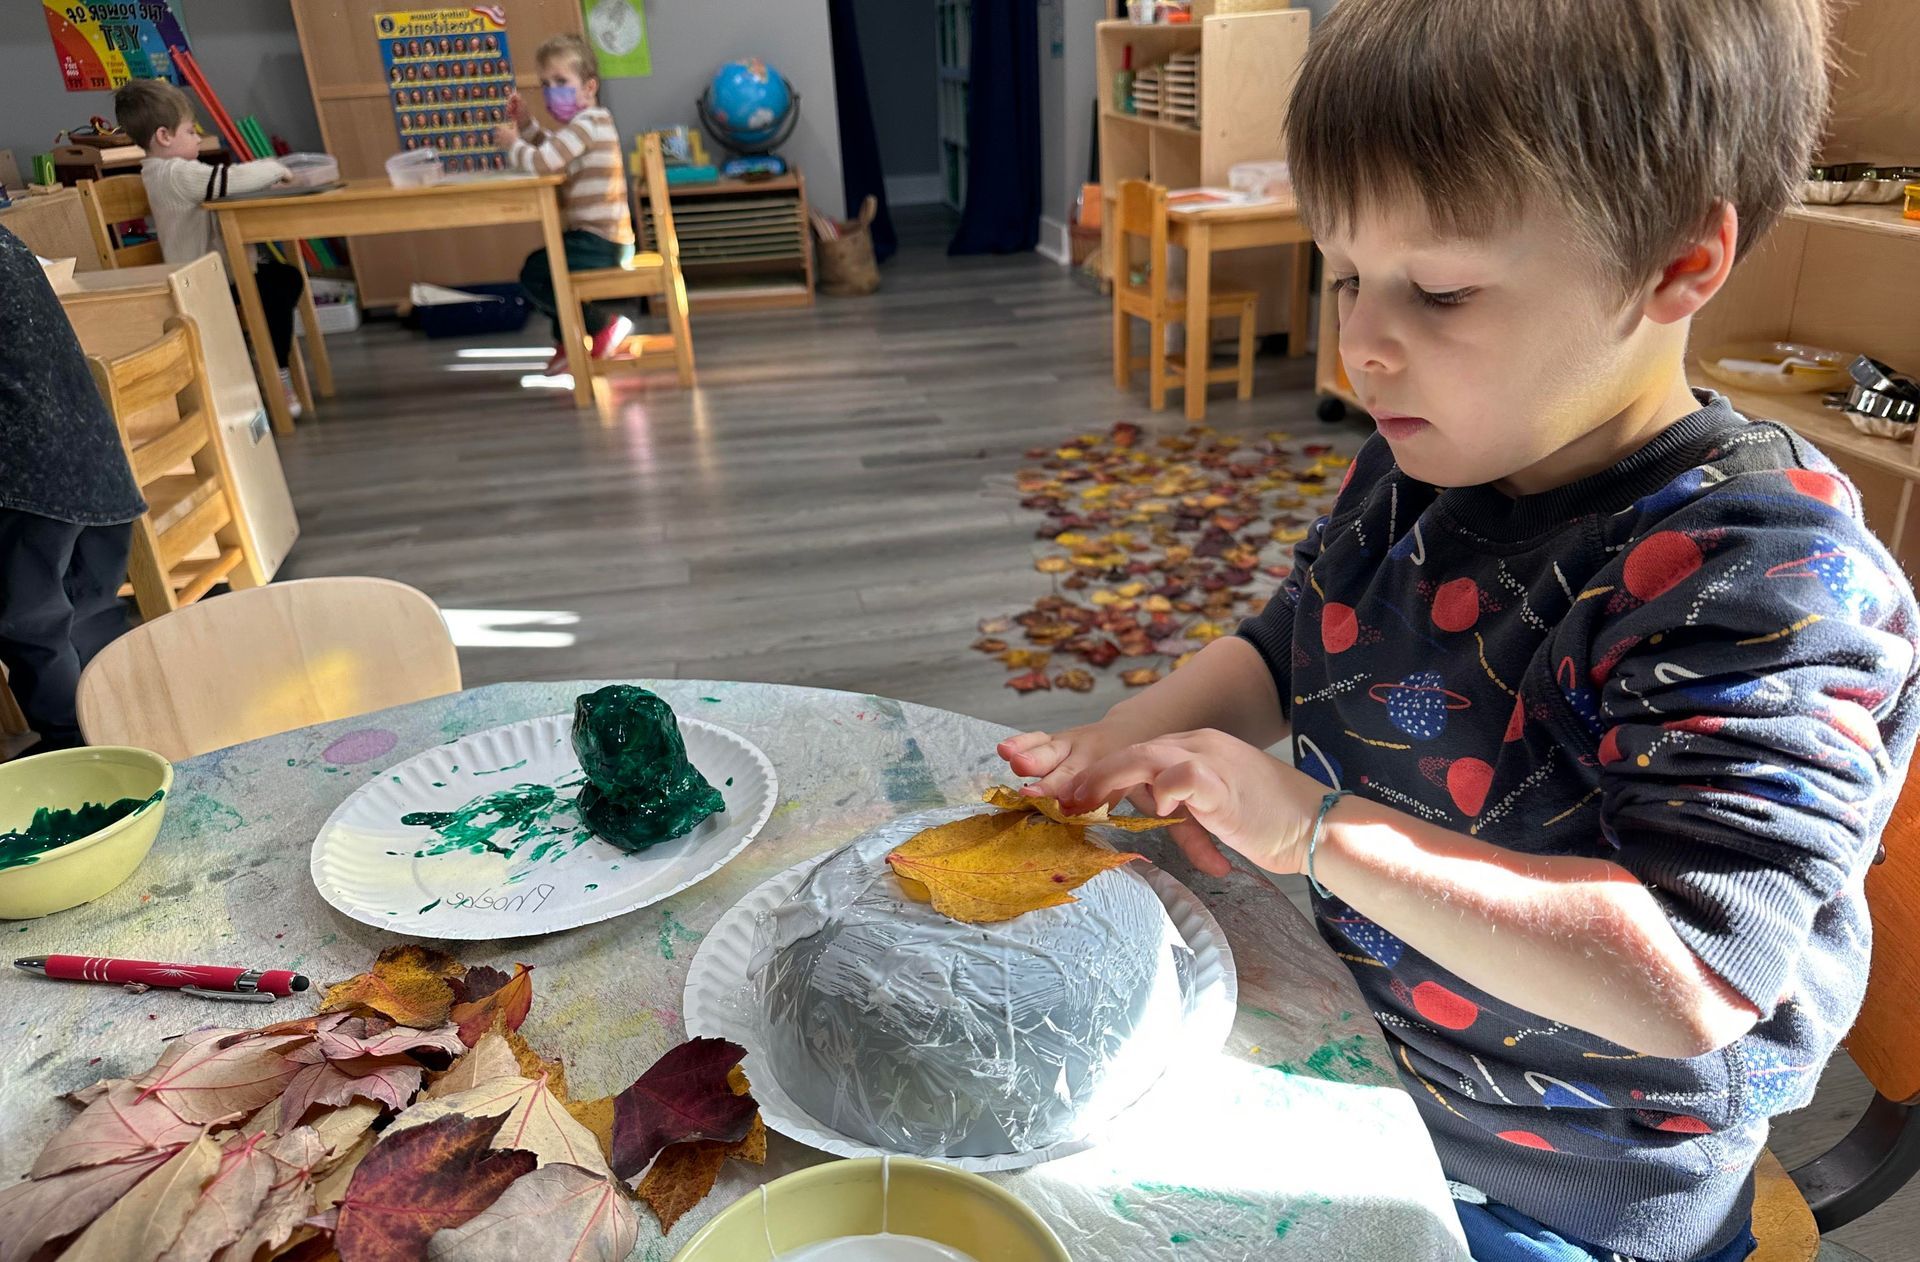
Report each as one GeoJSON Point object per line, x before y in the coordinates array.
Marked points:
{"type": "Point", "coordinates": [1199, 328]}
{"type": "Point", "coordinates": [240, 265]}
{"type": "Point", "coordinates": [573, 335]}
{"type": "Point", "coordinates": [1300, 313]}
{"type": "Point", "coordinates": [317, 357]}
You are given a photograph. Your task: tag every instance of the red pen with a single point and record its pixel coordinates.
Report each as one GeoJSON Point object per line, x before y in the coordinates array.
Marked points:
{"type": "Point", "coordinates": [208, 981]}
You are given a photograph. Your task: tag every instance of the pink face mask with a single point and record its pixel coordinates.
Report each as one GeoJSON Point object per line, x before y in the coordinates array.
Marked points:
{"type": "Point", "coordinates": [562, 102]}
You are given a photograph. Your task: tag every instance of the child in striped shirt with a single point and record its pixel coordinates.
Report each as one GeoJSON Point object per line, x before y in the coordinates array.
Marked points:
{"type": "Point", "coordinates": [586, 148]}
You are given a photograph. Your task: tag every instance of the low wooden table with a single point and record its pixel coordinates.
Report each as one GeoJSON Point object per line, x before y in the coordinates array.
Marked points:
{"type": "Point", "coordinates": [1202, 231]}
{"type": "Point", "coordinates": [1295, 1141]}
{"type": "Point", "coordinates": [365, 208]}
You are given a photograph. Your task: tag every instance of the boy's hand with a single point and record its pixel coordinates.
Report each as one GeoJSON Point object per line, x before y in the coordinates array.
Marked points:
{"type": "Point", "coordinates": [1056, 758]}
{"type": "Point", "coordinates": [517, 109]}
{"type": "Point", "coordinates": [1229, 790]}
{"type": "Point", "coordinates": [505, 135]}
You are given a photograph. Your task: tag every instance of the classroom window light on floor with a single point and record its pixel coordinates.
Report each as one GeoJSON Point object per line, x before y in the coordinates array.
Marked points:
{"type": "Point", "coordinates": [511, 628]}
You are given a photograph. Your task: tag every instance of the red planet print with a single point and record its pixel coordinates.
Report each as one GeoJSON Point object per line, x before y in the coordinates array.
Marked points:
{"type": "Point", "coordinates": [1468, 780]}
{"type": "Point", "coordinates": [1442, 1007]}
{"type": "Point", "coordinates": [1339, 627]}
{"type": "Point", "coordinates": [1610, 747]}
{"type": "Point", "coordinates": [1517, 725]}
{"type": "Point", "coordinates": [1681, 1124]}
{"type": "Point", "coordinates": [1659, 563]}
{"type": "Point", "coordinates": [1527, 1139]}
{"type": "Point", "coordinates": [1820, 486]}
{"type": "Point", "coordinates": [1456, 606]}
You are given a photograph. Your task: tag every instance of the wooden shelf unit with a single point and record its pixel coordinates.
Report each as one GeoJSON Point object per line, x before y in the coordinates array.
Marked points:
{"type": "Point", "coordinates": [1843, 277]}
{"type": "Point", "coordinates": [744, 244]}
{"type": "Point", "coordinates": [1247, 66]}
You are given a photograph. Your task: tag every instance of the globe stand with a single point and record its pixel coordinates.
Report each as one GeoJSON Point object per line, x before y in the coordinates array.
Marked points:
{"type": "Point", "coordinates": [754, 159]}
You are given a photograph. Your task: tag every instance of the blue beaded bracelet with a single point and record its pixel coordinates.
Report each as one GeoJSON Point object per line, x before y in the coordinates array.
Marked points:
{"type": "Point", "coordinates": [1313, 843]}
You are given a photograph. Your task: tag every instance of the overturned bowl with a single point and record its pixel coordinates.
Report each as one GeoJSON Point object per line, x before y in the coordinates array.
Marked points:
{"type": "Point", "coordinates": [44, 802]}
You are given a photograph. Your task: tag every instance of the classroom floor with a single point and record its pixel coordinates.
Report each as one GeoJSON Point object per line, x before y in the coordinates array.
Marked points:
{"type": "Point", "coordinates": [833, 506]}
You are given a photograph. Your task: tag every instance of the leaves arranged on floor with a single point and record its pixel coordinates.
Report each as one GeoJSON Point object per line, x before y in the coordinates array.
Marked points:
{"type": "Point", "coordinates": [1157, 547]}
{"type": "Point", "coordinates": [1024, 856]}
{"type": "Point", "coordinates": [354, 1136]}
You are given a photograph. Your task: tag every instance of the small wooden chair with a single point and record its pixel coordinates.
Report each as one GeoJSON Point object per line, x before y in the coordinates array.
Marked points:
{"type": "Point", "coordinates": [111, 204]}
{"type": "Point", "coordinates": [1142, 216]}
{"type": "Point", "coordinates": [653, 273]}
{"type": "Point", "coordinates": [167, 380]}
{"type": "Point", "coordinates": [1882, 1152]}
{"type": "Point", "coordinates": [122, 199]}
{"type": "Point", "coordinates": [15, 736]}
{"type": "Point", "coordinates": [267, 660]}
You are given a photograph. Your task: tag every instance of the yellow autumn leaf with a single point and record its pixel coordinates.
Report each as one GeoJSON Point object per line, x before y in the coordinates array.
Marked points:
{"type": "Point", "coordinates": [989, 868]}
{"type": "Point", "coordinates": [1053, 565]}
{"type": "Point", "coordinates": [1290, 534]}
{"type": "Point", "coordinates": [1070, 539]}
{"type": "Point", "coordinates": [1012, 800]}
{"type": "Point", "coordinates": [1131, 591]}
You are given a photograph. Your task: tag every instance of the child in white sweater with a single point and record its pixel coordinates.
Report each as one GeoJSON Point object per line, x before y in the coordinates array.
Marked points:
{"type": "Point", "coordinates": [158, 117]}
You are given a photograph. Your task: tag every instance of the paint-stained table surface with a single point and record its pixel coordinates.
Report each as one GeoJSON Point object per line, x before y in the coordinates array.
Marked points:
{"type": "Point", "coordinates": [1296, 1142]}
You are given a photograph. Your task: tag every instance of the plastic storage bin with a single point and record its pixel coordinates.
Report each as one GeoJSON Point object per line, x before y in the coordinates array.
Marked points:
{"type": "Point", "coordinates": [336, 303]}
{"type": "Point", "coordinates": [1264, 180]}
{"type": "Point", "coordinates": [417, 168]}
{"type": "Point", "coordinates": [467, 319]}
{"type": "Point", "coordinates": [311, 169]}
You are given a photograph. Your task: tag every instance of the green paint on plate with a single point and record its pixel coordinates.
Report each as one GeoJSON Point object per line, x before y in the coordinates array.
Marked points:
{"type": "Point", "coordinates": [711, 700]}
{"type": "Point", "coordinates": [592, 886]}
{"type": "Point", "coordinates": [512, 766]}
{"type": "Point", "coordinates": [429, 907]}
{"type": "Point", "coordinates": [507, 822]}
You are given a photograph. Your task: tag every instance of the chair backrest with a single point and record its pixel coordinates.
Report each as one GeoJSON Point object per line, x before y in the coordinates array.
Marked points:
{"type": "Point", "coordinates": [653, 166]}
{"type": "Point", "coordinates": [116, 200]}
{"type": "Point", "coordinates": [1885, 1041]}
{"type": "Point", "coordinates": [163, 407]}
{"type": "Point", "coordinates": [1142, 212]}
{"type": "Point", "coordinates": [266, 660]}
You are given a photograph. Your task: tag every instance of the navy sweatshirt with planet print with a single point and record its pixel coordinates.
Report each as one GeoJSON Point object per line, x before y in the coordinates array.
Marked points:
{"type": "Point", "coordinates": [1698, 664]}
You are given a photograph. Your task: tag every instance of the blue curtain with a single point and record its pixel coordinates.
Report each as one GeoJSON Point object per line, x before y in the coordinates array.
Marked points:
{"type": "Point", "coordinates": [1002, 214]}
{"type": "Point", "coordinates": [860, 175]}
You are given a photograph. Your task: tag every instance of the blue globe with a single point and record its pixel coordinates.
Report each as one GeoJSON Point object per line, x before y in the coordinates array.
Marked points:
{"type": "Point", "coordinates": [747, 105]}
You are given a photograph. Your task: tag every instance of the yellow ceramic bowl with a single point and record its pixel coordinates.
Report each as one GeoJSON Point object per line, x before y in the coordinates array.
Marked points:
{"type": "Point", "coordinates": [842, 1198]}
{"type": "Point", "coordinates": [81, 870]}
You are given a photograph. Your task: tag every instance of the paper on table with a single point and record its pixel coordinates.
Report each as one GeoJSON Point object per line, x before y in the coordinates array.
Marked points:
{"type": "Point", "coordinates": [425, 295]}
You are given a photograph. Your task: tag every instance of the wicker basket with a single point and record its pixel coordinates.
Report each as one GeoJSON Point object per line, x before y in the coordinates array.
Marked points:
{"type": "Point", "coordinates": [847, 265]}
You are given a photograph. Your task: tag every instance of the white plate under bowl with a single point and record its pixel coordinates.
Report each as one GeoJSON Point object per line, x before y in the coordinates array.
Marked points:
{"type": "Point", "coordinates": [719, 1003]}
{"type": "Point", "coordinates": [383, 872]}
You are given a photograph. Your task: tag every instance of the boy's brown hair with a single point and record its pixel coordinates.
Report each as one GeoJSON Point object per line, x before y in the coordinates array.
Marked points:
{"type": "Point", "coordinates": [1640, 117]}
{"type": "Point", "coordinates": [570, 48]}
{"type": "Point", "coordinates": [144, 106]}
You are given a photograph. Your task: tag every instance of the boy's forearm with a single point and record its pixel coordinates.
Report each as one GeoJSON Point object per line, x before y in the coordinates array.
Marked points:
{"type": "Point", "coordinates": [251, 177]}
{"type": "Point", "coordinates": [1226, 687]}
{"type": "Point", "coordinates": [1578, 941]}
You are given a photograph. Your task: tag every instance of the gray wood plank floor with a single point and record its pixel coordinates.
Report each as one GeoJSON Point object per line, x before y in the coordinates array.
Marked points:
{"type": "Point", "coordinates": [832, 506]}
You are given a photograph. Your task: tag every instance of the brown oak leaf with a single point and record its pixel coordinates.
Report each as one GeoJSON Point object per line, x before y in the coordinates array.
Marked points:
{"type": "Point", "coordinates": [1075, 680]}
{"type": "Point", "coordinates": [420, 1181]}
{"type": "Point", "coordinates": [1032, 681]}
{"type": "Point", "coordinates": [503, 1006]}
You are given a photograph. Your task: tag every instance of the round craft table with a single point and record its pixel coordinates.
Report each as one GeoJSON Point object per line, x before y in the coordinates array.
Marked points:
{"type": "Point", "coordinates": [1296, 1142]}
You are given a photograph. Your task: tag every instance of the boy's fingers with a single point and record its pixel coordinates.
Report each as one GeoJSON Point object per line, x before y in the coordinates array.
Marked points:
{"type": "Point", "coordinates": [1022, 743]}
{"type": "Point", "coordinates": [1117, 773]}
{"type": "Point", "coordinates": [1055, 782]}
{"type": "Point", "coordinates": [1199, 847]}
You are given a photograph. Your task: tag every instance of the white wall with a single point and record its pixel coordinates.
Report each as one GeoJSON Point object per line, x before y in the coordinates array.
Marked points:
{"type": "Point", "coordinates": [251, 55]}
{"type": "Point", "coordinates": [1066, 96]}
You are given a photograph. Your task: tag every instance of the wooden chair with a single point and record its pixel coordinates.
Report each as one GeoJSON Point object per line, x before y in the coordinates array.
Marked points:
{"type": "Point", "coordinates": [1882, 1152]}
{"type": "Point", "coordinates": [1142, 217]}
{"type": "Point", "coordinates": [267, 660]}
{"type": "Point", "coordinates": [653, 273]}
{"type": "Point", "coordinates": [15, 736]}
{"type": "Point", "coordinates": [122, 199]}
{"type": "Point", "coordinates": [112, 203]}
{"type": "Point", "coordinates": [163, 406]}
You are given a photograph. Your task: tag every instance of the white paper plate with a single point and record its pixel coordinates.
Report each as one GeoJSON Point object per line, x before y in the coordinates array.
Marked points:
{"type": "Point", "coordinates": [556, 875]}
{"type": "Point", "coordinates": [719, 1003]}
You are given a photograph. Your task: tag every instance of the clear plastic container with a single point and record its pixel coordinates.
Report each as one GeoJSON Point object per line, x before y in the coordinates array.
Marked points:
{"type": "Point", "coordinates": [1265, 180]}
{"type": "Point", "coordinates": [416, 168]}
{"type": "Point", "coordinates": [311, 169]}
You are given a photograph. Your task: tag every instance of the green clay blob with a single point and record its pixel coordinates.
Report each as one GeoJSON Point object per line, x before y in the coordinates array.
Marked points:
{"type": "Point", "coordinates": [640, 790]}
{"type": "Point", "coordinates": [52, 827]}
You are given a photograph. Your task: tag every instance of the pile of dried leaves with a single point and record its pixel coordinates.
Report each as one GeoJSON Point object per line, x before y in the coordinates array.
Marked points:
{"type": "Point", "coordinates": [409, 1120]}
{"type": "Point", "coordinates": [1161, 547]}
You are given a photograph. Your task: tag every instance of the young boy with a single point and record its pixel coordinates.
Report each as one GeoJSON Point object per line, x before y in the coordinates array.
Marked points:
{"type": "Point", "coordinates": [158, 117]}
{"type": "Point", "coordinates": [1612, 687]}
{"type": "Point", "coordinates": [587, 148]}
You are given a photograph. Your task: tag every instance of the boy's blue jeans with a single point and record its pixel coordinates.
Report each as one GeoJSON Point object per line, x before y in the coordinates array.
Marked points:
{"type": "Point", "coordinates": [585, 252]}
{"type": "Point", "coordinates": [1496, 1233]}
